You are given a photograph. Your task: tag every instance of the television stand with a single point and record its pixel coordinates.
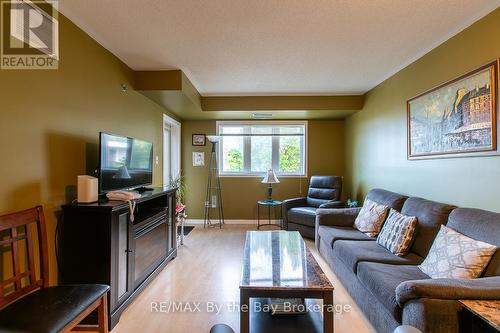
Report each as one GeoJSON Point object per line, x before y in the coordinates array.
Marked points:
{"type": "Point", "coordinates": [143, 189]}
{"type": "Point", "coordinates": [98, 243]}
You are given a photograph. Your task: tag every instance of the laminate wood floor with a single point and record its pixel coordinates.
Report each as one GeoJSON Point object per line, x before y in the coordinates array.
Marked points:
{"type": "Point", "coordinates": [207, 271]}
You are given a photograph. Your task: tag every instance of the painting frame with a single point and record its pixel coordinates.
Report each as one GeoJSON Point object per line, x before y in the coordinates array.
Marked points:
{"type": "Point", "coordinates": [198, 140]}
{"type": "Point", "coordinates": [491, 149]}
{"type": "Point", "coordinates": [198, 158]}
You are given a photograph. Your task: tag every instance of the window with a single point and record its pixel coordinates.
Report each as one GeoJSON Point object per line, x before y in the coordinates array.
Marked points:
{"type": "Point", "coordinates": [251, 148]}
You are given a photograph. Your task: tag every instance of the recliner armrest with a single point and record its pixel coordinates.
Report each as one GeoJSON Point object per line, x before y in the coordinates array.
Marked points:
{"type": "Point", "coordinates": [296, 202]}
{"type": "Point", "coordinates": [333, 204]}
{"type": "Point", "coordinates": [338, 217]}
{"type": "Point", "coordinates": [449, 289]}
{"type": "Point", "coordinates": [288, 204]}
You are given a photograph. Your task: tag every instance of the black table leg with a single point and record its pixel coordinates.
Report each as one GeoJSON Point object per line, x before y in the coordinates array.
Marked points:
{"type": "Point", "coordinates": [281, 216]}
{"type": "Point", "coordinates": [270, 207]}
{"type": "Point", "coordinates": [244, 312]}
{"type": "Point", "coordinates": [258, 216]}
{"type": "Point", "coordinates": [328, 312]}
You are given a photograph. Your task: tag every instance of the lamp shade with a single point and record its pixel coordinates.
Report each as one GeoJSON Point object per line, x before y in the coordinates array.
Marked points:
{"type": "Point", "coordinates": [270, 177]}
{"type": "Point", "coordinates": [213, 138]}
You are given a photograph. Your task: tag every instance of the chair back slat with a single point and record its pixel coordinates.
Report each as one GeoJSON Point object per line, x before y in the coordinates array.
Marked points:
{"type": "Point", "coordinates": [19, 219]}
{"type": "Point", "coordinates": [30, 230]}
{"type": "Point", "coordinates": [13, 279]}
{"type": "Point", "coordinates": [16, 230]}
{"type": "Point", "coordinates": [16, 259]}
{"type": "Point", "coordinates": [19, 294]}
{"type": "Point", "coordinates": [12, 240]}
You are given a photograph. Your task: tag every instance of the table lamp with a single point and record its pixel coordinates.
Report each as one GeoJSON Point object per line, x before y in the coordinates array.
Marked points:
{"type": "Point", "coordinates": [270, 178]}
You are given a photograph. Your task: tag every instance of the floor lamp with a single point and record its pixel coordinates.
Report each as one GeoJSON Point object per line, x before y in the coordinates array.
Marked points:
{"type": "Point", "coordinates": [213, 199]}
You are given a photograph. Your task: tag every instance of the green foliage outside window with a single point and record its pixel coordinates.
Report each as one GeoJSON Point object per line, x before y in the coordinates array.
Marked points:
{"type": "Point", "coordinates": [235, 160]}
{"type": "Point", "coordinates": [289, 157]}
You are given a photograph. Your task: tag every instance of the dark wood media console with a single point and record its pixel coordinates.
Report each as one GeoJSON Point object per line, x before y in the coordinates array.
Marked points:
{"type": "Point", "coordinates": [99, 243]}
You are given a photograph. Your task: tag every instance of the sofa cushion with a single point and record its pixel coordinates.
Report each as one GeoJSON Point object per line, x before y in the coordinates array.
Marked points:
{"type": "Point", "coordinates": [430, 215]}
{"type": "Point", "coordinates": [456, 256]}
{"type": "Point", "coordinates": [303, 215]}
{"type": "Point", "coordinates": [481, 225]}
{"type": "Point", "coordinates": [371, 217]}
{"type": "Point", "coordinates": [351, 253]}
{"type": "Point", "coordinates": [381, 280]}
{"type": "Point", "coordinates": [331, 234]}
{"type": "Point", "coordinates": [387, 198]}
{"type": "Point", "coordinates": [398, 233]}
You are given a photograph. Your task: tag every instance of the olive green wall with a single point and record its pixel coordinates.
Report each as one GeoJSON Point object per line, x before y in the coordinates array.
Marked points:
{"type": "Point", "coordinates": [376, 135]}
{"type": "Point", "coordinates": [50, 117]}
{"type": "Point", "coordinates": [239, 195]}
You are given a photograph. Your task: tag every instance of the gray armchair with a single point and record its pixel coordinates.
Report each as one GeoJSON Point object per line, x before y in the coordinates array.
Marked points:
{"type": "Point", "coordinates": [299, 214]}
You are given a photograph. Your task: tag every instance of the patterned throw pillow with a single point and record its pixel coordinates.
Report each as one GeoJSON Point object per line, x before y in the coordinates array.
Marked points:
{"type": "Point", "coordinates": [371, 218]}
{"type": "Point", "coordinates": [397, 233]}
{"type": "Point", "coordinates": [456, 256]}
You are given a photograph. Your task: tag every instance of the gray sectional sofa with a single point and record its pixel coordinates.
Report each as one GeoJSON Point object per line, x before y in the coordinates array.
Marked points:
{"type": "Point", "coordinates": [392, 290]}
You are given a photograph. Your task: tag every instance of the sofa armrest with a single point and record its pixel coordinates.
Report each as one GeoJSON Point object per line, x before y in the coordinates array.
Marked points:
{"type": "Point", "coordinates": [449, 289]}
{"type": "Point", "coordinates": [333, 204]}
{"type": "Point", "coordinates": [339, 217]}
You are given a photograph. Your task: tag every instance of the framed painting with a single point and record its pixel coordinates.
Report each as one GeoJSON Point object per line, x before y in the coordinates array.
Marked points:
{"type": "Point", "coordinates": [198, 140]}
{"type": "Point", "coordinates": [455, 119]}
{"type": "Point", "coordinates": [198, 158]}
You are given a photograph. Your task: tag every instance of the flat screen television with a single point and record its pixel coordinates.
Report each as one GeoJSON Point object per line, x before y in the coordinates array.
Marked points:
{"type": "Point", "coordinates": [124, 163]}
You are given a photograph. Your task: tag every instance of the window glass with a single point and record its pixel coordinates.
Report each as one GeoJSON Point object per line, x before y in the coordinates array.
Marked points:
{"type": "Point", "coordinates": [261, 149]}
{"type": "Point", "coordinates": [290, 154]}
{"type": "Point", "coordinates": [252, 148]}
{"type": "Point", "coordinates": [232, 149]}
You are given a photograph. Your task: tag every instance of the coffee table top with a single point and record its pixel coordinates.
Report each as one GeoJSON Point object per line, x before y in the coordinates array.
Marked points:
{"type": "Point", "coordinates": [485, 309]}
{"type": "Point", "coordinates": [280, 260]}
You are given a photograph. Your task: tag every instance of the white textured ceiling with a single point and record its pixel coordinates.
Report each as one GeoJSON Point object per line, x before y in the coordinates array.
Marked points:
{"type": "Point", "coordinates": [266, 47]}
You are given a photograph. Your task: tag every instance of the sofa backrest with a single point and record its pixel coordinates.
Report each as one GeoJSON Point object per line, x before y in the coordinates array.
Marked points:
{"type": "Point", "coordinates": [387, 198]}
{"type": "Point", "coordinates": [480, 225]}
{"type": "Point", "coordinates": [431, 215]}
{"type": "Point", "coordinates": [323, 189]}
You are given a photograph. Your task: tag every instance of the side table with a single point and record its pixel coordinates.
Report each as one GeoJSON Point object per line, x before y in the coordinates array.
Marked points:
{"type": "Point", "coordinates": [271, 205]}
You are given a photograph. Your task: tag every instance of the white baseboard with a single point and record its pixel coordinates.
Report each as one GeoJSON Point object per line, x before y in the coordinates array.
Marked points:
{"type": "Point", "coordinates": [227, 221]}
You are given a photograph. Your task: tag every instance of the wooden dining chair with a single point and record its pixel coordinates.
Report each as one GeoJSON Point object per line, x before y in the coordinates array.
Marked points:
{"type": "Point", "coordinates": [27, 303]}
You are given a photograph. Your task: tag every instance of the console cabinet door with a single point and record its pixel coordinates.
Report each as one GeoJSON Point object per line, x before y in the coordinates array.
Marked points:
{"type": "Point", "coordinates": [122, 258]}
{"type": "Point", "coordinates": [172, 224]}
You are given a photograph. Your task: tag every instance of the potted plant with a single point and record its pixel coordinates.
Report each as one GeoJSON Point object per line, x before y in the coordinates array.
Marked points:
{"type": "Point", "coordinates": [180, 207]}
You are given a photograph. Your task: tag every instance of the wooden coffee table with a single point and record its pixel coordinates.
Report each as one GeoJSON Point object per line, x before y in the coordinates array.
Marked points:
{"type": "Point", "coordinates": [277, 264]}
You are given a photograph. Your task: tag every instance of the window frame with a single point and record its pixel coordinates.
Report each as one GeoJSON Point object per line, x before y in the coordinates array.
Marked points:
{"type": "Point", "coordinates": [275, 149]}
